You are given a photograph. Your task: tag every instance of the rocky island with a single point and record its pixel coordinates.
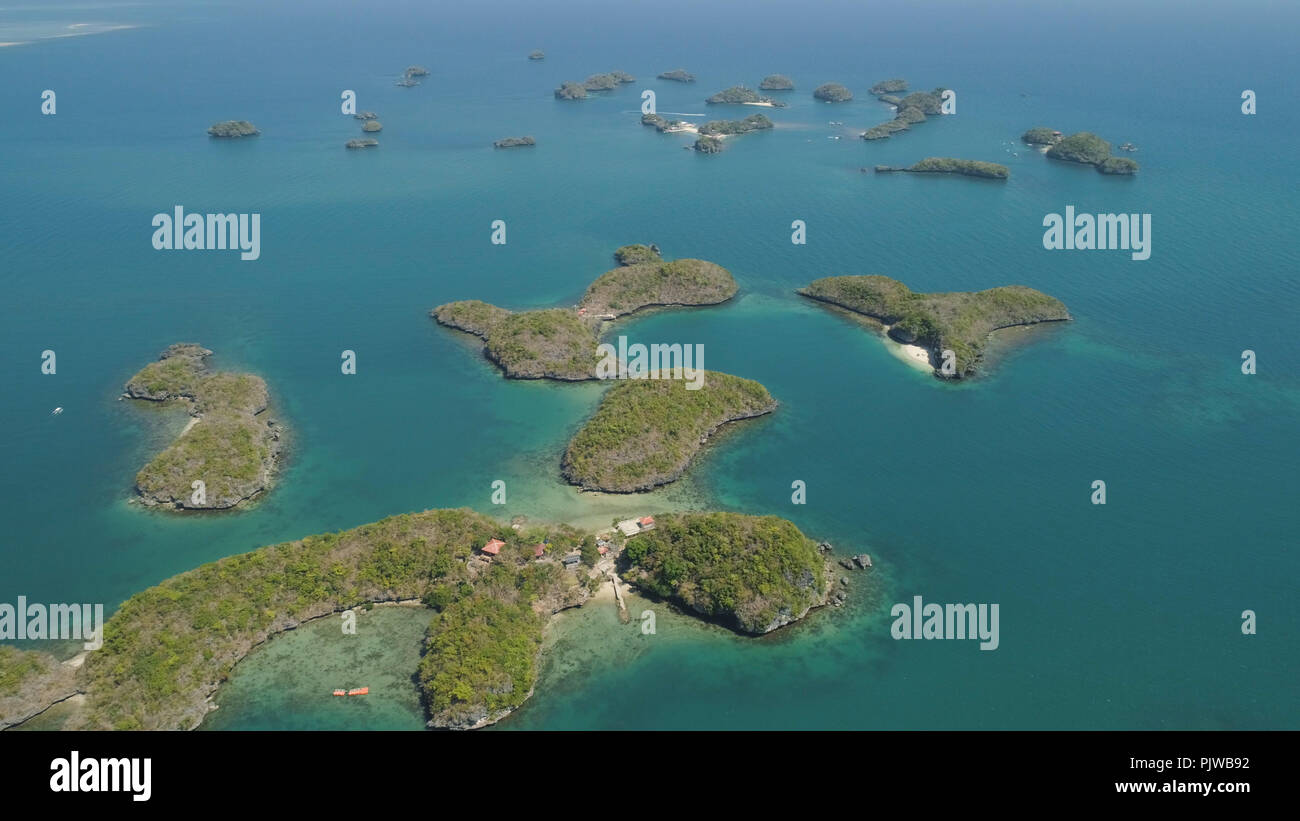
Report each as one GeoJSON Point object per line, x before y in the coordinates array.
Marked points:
{"type": "Point", "coordinates": [959, 322]}
{"type": "Point", "coordinates": [514, 142]}
{"type": "Point", "coordinates": [1084, 147]}
{"type": "Point", "coordinates": [411, 77]}
{"type": "Point", "coordinates": [720, 128]}
{"type": "Point", "coordinates": [371, 126]}
{"type": "Point", "coordinates": [678, 75]}
{"type": "Point", "coordinates": [571, 91]}
{"type": "Point", "coordinates": [368, 142]}
{"type": "Point", "coordinates": [739, 95]}
{"type": "Point", "coordinates": [708, 145]}
{"type": "Point", "coordinates": [233, 128]}
{"type": "Point", "coordinates": [646, 431]}
{"type": "Point", "coordinates": [833, 93]}
{"type": "Point", "coordinates": [753, 574]}
{"type": "Point", "coordinates": [228, 445]}
{"type": "Point", "coordinates": [536, 54]}
{"type": "Point", "coordinates": [489, 590]}
{"type": "Point", "coordinates": [776, 82]}
{"type": "Point", "coordinates": [561, 343]}
{"type": "Point", "coordinates": [949, 165]}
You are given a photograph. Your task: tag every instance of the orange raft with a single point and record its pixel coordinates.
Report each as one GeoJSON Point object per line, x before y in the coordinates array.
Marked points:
{"type": "Point", "coordinates": [359, 691]}
{"type": "Point", "coordinates": [340, 692]}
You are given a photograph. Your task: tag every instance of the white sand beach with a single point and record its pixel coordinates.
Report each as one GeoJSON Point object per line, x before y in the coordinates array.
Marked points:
{"type": "Point", "coordinates": [914, 355]}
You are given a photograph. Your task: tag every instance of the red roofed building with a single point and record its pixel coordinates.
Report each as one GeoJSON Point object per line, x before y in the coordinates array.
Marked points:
{"type": "Point", "coordinates": [493, 547]}
{"type": "Point", "coordinates": [538, 551]}
{"type": "Point", "coordinates": [602, 550]}
{"type": "Point", "coordinates": [647, 522]}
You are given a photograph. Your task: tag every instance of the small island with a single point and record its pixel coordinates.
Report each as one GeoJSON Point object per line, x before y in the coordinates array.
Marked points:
{"type": "Point", "coordinates": [561, 343]}
{"type": "Point", "coordinates": [646, 431]}
{"type": "Point", "coordinates": [233, 128]}
{"type": "Point", "coordinates": [708, 145]}
{"type": "Point", "coordinates": [411, 77]}
{"type": "Point", "coordinates": [960, 322]}
{"type": "Point", "coordinates": [950, 165]}
{"type": "Point", "coordinates": [720, 128]}
{"type": "Point", "coordinates": [678, 75]}
{"type": "Point", "coordinates": [227, 445]}
{"type": "Point", "coordinates": [776, 82]}
{"type": "Point", "coordinates": [514, 142]}
{"type": "Point", "coordinates": [739, 95]}
{"type": "Point", "coordinates": [664, 126]}
{"type": "Point", "coordinates": [368, 142]}
{"type": "Point", "coordinates": [894, 86]}
{"type": "Point", "coordinates": [1084, 148]}
{"type": "Point", "coordinates": [536, 54]}
{"type": "Point", "coordinates": [753, 574]}
{"type": "Point", "coordinates": [371, 126]}
{"type": "Point", "coordinates": [366, 115]}
{"type": "Point", "coordinates": [910, 110]}
{"type": "Point", "coordinates": [833, 93]}
{"type": "Point", "coordinates": [571, 91]}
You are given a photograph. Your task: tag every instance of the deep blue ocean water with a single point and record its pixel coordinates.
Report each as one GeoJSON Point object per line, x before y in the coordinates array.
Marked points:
{"type": "Point", "coordinates": [1118, 616]}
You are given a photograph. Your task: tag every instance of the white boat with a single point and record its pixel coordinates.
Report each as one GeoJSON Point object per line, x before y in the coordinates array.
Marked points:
{"type": "Point", "coordinates": [57, 411]}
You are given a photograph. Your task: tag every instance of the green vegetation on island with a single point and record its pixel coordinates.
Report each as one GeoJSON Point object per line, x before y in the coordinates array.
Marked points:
{"type": "Point", "coordinates": [1084, 147]}
{"type": "Point", "coordinates": [909, 110]}
{"type": "Point", "coordinates": [233, 128]}
{"type": "Point", "coordinates": [514, 142]}
{"type": "Point", "coordinates": [560, 343]}
{"type": "Point", "coordinates": [678, 75]}
{"type": "Point", "coordinates": [742, 95]}
{"type": "Point", "coordinates": [950, 165]}
{"type": "Point", "coordinates": [571, 91]}
{"type": "Point", "coordinates": [776, 82]}
{"type": "Point", "coordinates": [895, 86]}
{"type": "Point", "coordinates": [647, 430]}
{"type": "Point", "coordinates": [959, 322]}
{"type": "Point", "coordinates": [168, 648]}
{"type": "Point", "coordinates": [663, 125]}
{"type": "Point", "coordinates": [632, 254]}
{"type": "Point", "coordinates": [751, 573]}
{"type": "Point", "coordinates": [754, 122]}
{"type": "Point", "coordinates": [708, 145]}
{"type": "Point", "coordinates": [30, 681]}
{"type": "Point", "coordinates": [227, 446]}
{"type": "Point", "coordinates": [833, 93]}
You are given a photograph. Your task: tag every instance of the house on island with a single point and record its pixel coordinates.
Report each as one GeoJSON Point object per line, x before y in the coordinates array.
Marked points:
{"type": "Point", "coordinates": [631, 527]}
{"type": "Point", "coordinates": [493, 547]}
{"type": "Point", "coordinates": [572, 559]}
{"type": "Point", "coordinates": [539, 550]}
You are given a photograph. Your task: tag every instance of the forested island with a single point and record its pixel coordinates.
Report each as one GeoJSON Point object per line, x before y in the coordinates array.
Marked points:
{"type": "Point", "coordinates": [950, 165]}
{"type": "Point", "coordinates": [489, 590]}
{"type": "Point", "coordinates": [646, 431]}
{"type": "Point", "coordinates": [776, 82]}
{"type": "Point", "coordinates": [754, 122]}
{"type": "Point", "coordinates": [596, 82]}
{"type": "Point", "coordinates": [560, 343]}
{"type": "Point", "coordinates": [233, 128]}
{"type": "Point", "coordinates": [739, 95]}
{"type": "Point", "coordinates": [1084, 147]}
{"type": "Point", "coordinates": [514, 142]}
{"type": "Point", "coordinates": [227, 446]}
{"type": "Point", "coordinates": [833, 93]}
{"type": "Point", "coordinates": [959, 321]}
{"type": "Point", "coordinates": [678, 75]}
{"type": "Point", "coordinates": [752, 573]}
{"type": "Point", "coordinates": [910, 110]}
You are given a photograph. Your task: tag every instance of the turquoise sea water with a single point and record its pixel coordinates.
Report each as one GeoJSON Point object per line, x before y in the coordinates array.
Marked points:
{"type": "Point", "coordinates": [1122, 616]}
